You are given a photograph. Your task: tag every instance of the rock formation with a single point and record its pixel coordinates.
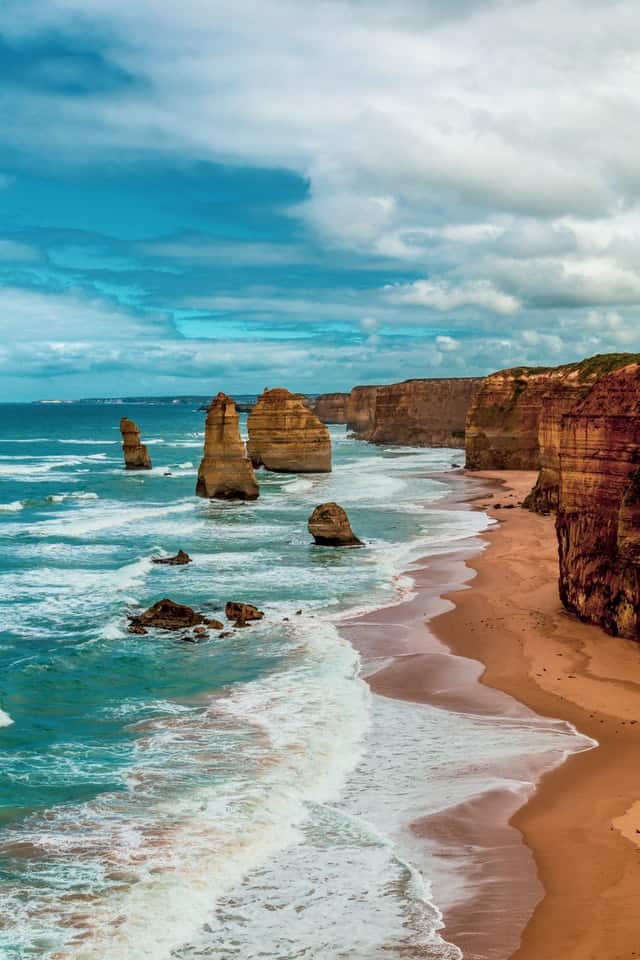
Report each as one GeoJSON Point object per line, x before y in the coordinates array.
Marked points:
{"type": "Point", "coordinates": [598, 522]}
{"type": "Point", "coordinates": [562, 396]}
{"type": "Point", "coordinates": [423, 413]}
{"type": "Point", "coordinates": [168, 615]}
{"type": "Point", "coordinates": [242, 613]}
{"type": "Point", "coordinates": [136, 455]}
{"type": "Point", "coordinates": [361, 411]}
{"type": "Point", "coordinates": [331, 407]}
{"type": "Point", "coordinates": [181, 558]}
{"type": "Point", "coordinates": [225, 471]}
{"type": "Point", "coordinates": [285, 435]}
{"type": "Point", "coordinates": [329, 526]}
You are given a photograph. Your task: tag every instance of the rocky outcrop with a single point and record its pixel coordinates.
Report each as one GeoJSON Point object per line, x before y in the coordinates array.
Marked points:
{"type": "Point", "coordinates": [598, 522]}
{"type": "Point", "coordinates": [136, 455]}
{"type": "Point", "coordinates": [331, 407]}
{"type": "Point", "coordinates": [503, 421]}
{"type": "Point", "coordinates": [225, 471]}
{"type": "Point", "coordinates": [168, 615]}
{"type": "Point", "coordinates": [423, 413]}
{"type": "Point", "coordinates": [361, 411]}
{"type": "Point", "coordinates": [179, 560]}
{"type": "Point", "coordinates": [242, 613]}
{"type": "Point", "coordinates": [285, 435]}
{"type": "Point", "coordinates": [329, 526]}
{"type": "Point", "coordinates": [565, 391]}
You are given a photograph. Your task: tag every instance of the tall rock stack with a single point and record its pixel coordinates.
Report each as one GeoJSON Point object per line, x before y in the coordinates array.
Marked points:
{"type": "Point", "coordinates": [136, 455]}
{"type": "Point", "coordinates": [598, 522]}
{"type": "Point", "coordinates": [225, 471]}
{"type": "Point", "coordinates": [285, 435]}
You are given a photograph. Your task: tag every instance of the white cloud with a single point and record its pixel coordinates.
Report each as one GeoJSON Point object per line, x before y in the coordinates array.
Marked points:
{"type": "Point", "coordinates": [441, 296]}
{"type": "Point", "coordinates": [447, 344]}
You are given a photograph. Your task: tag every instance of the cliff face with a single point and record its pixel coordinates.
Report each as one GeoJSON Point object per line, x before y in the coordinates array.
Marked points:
{"type": "Point", "coordinates": [225, 471]}
{"type": "Point", "coordinates": [331, 407]}
{"type": "Point", "coordinates": [423, 413]}
{"type": "Point", "coordinates": [598, 522]}
{"type": "Point", "coordinates": [361, 411]}
{"type": "Point", "coordinates": [285, 435]}
{"type": "Point", "coordinates": [503, 420]}
{"type": "Point", "coordinates": [566, 390]}
{"type": "Point", "coordinates": [136, 455]}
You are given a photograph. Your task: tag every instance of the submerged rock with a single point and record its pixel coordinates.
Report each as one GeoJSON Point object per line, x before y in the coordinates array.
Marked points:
{"type": "Point", "coordinates": [166, 614]}
{"type": "Point", "coordinates": [285, 435]}
{"type": "Point", "coordinates": [136, 455]}
{"type": "Point", "coordinates": [225, 471]}
{"type": "Point", "coordinates": [329, 525]}
{"type": "Point", "coordinates": [181, 558]}
{"type": "Point", "coordinates": [242, 613]}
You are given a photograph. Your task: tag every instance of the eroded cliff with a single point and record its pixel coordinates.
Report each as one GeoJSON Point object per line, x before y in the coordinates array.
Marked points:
{"type": "Point", "coordinates": [361, 411]}
{"type": "Point", "coordinates": [565, 391]}
{"type": "Point", "coordinates": [285, 435]}
{"type": "Point", "coordinates": [423, 413]}
{"type": "Point", "coordinates": [331, 407]}
{"type": "Point", "coordinates": [598, 521]}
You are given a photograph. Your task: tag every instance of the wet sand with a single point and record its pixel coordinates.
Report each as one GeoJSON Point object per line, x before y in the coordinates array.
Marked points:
{"type": "Point", "coordinates": [557, 878]}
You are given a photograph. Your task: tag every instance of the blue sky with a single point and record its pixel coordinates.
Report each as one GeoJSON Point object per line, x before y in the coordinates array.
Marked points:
{"type": "Point", "coordinates": [232, 196]}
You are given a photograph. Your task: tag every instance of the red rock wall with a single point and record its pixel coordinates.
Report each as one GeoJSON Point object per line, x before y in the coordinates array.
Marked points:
{"type": "Point", "coordinates": [424, 413]}
{"type": "Point", "coordinates": [361, 411]}
{"type": "Point", "coordinates": [331, 407]}
{"type": "Point", "coordinates": [598, 522]}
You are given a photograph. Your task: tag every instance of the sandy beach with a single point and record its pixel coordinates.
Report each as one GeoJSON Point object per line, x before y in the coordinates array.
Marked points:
{"type": "Point", "coordinates": [557, 877]}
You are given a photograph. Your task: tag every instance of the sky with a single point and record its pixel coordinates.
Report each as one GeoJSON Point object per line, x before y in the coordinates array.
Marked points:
{"type": "Point", "coordinates": [314, 194]}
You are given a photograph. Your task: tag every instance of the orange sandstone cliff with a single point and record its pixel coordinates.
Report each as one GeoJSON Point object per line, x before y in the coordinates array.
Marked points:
{"type": "Point", "coordinates": [285, 435]}
{"type": "Point", "coordinates": [423, 413]}
{"type": "Point", "coordinates": [331, 407]}
{"type": "Point", "coordinates": [136, 455]}
{"type": "Point", "coordinates": [225, 471]}
{"type": "Point", "coordinates": [361, 411]}
{"type": "Point", "coordinates": [565, 391]}
{"type": "Point", "coordinates": [598, 521]}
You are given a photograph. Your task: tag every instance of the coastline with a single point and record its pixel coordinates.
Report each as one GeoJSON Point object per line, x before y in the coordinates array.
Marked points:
{"type": "Point", "coordinates": [553, 868]}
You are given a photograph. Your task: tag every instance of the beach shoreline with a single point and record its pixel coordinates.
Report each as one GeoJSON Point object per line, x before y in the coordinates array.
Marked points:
{"type": "Point", "coordinates": [554, 867]}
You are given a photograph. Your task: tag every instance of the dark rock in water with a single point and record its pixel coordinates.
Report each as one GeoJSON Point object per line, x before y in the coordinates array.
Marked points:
{"type": "Point", "coordinates": [329, 525]}
{"type": "Point", "coordinates": [242, 613]}
{"type": "Point", "coordinates": [200, 632]}
{"type": "Point", "coordinates": [181, 558]}
{"type": "Point", "coordinates": [225, 633]}
{"type": "Point", "coordinates": [168, 615]}
{"type": "Point", "coordinates": [136, 455]}
{"type": "Point", "coordinates": [137, 628]}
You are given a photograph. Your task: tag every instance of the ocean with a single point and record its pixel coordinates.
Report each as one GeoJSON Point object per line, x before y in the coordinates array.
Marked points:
{"type": "Point", "coordinates": [242, 797]}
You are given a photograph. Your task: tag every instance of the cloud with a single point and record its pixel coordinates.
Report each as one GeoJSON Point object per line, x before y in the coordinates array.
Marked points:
{"type": "Point", "coordinates": [441, 296]}
{"type": "Point", "coordinates": [451, 140]}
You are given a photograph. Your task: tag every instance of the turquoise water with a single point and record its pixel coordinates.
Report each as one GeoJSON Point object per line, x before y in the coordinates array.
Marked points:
{"type": "Point", "coordinates": [162, 799]}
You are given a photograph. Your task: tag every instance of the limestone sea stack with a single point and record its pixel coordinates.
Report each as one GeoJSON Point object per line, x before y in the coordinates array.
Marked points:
{"type": "Point", "coordinates": [136, 455]}
{"type": "Point", "coordinates": [329, 526]}
{"type": "Point", "coordinates": [225, 471]}
{"type": "Point", "coordinates": [598, 522]}
{"type": "Point", "coordinates": [285, 435]}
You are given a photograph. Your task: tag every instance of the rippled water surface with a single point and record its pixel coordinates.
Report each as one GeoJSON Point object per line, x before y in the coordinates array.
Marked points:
{"type": "Point", "coordinates": [242, 797]}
